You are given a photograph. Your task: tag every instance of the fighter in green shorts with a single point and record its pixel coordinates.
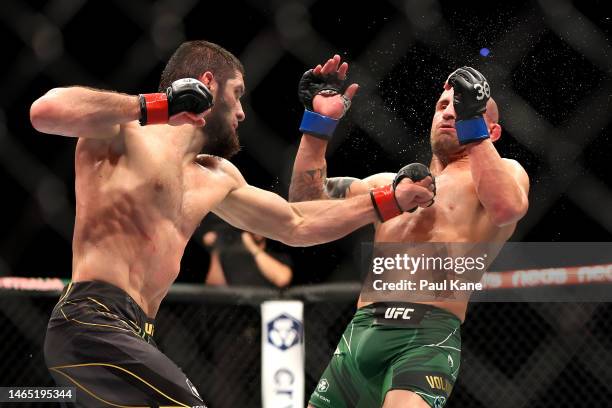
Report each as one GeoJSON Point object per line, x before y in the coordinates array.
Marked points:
{"type": "Point", "coordinates": [400, 346]}
{"type": "Point", "coordinates": [480, 197]}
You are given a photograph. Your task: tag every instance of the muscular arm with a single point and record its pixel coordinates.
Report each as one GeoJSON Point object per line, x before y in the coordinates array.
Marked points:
{"type": "Point", "coordinates": [297, 224]}
{"type": "Point", "coordinates": [309, 179]}
{"type": "Point", "coordinates": [502, 185]}
{"type": "Point", "coordinates": [310, 222]}
{"type": "Point", "coordinates": [83, 112]}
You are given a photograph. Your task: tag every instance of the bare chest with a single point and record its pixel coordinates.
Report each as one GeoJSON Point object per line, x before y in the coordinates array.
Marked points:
{"type": "Point", "coordinates": [172, 197]}
{"type": "Point", "coordinates": [188, 196]}
{"type": "Point", "coordinates": [455, 215]}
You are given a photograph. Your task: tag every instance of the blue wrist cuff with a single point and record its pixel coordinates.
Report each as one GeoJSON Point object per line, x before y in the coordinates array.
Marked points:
{"type": "Point", "coordinates": [471, 130]}
{"type": "Point", "coordinates": [318, 125]}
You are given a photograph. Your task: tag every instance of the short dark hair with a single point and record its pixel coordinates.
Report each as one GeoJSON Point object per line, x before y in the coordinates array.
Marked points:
{"type": "Point", "coordinates": [193, 58]}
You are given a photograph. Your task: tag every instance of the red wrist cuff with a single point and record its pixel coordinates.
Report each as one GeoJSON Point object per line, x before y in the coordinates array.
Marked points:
{"type": "Point", "coordinates": [153, 109]}
{"type": "Point", "coordinates": [384, 202]}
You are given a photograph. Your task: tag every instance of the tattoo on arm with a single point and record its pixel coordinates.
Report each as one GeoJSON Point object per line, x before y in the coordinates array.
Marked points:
{"type": "Point", "coordinates": [308, 185]}
{"type": "Point", "coordinates": [338, 187]}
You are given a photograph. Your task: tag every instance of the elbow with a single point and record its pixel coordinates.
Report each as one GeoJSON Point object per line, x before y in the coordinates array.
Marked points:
{"type": "Point", "coordinates": [508, 213]}
{"type": "Point", "coordinates": [292, 233]}
{"type": "Point", "coordinates": [292, 239]}
{"type": "Point", "coordinates": [44, 112]}
{"type": "Point", "coordinates": [39, 114]}
{"type": "Point", "coordinates": [297, 235]}
{"type": "Point", "coordinates": [284, 279]}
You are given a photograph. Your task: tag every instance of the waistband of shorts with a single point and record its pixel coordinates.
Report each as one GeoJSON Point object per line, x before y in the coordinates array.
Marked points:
{"type": "Point", "coordinates": [377, 309]}
{"type": "Point", "coordinates": [109, 298]}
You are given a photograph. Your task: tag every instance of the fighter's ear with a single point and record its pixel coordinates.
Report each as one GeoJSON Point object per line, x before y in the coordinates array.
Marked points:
{"type": "Point", "coordinates": [495, 131]}
{"type": "Point", "coordinates": [207, 79]}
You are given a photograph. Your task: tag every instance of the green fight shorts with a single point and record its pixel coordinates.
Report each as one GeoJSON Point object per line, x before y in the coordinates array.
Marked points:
{"type": "Point", "coordinates": [392, 346]}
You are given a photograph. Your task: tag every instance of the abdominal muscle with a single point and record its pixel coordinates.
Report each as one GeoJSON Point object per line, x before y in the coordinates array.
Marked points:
{"type": "Point", "coordinates": [135, 212]}
{"type": "Point", "coordinates": [144, 268]}
{"type": "Point", "coordinates": [444, 222]}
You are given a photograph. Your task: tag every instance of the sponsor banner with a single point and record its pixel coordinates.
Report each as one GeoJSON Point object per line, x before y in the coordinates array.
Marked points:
{"type": "Point", "coordinates": [37, 284]}
{"type": "Point", "coordinates": [282, 354]}
{"type": "Point", "coordinates": [528, 278]}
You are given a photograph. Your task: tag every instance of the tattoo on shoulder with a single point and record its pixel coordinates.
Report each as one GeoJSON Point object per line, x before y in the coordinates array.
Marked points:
{"type": "Point", "coordinates": [338, 187]}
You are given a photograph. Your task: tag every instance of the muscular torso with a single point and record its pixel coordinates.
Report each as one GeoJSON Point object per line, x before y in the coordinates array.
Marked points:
{"type": "Point", "coordinates": [456, 216]}
{"type": "Point", "coordinates": [138, 200]}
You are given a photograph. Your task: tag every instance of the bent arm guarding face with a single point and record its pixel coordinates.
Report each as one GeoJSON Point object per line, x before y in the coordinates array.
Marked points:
{"type": "Point", "coordinates": [83, 112]}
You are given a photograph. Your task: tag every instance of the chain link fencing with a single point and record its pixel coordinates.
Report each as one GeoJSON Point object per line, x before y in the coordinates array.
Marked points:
{"type": "Point", "coordinates": [549, 64]}
{"type": "Point", "coordinates": [514, 354]}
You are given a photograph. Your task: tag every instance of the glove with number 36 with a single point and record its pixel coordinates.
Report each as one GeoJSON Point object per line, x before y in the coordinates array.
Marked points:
{"type": "Point", "coordinates": [471, 94]}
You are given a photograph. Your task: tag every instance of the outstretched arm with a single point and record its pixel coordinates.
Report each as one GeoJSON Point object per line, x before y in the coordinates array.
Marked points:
{"type": "Point", "coordinates": [310, 222]}
{"type": "Point", "coordinates": [297, 224]}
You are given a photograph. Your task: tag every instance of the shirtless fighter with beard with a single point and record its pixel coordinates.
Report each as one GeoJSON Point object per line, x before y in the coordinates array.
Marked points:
{"type": "Point", "coordinates": [142, 187]}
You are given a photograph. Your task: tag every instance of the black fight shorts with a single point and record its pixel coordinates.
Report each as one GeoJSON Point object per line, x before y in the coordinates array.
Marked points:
{"type": "Point", "coordinates": [100, 342]}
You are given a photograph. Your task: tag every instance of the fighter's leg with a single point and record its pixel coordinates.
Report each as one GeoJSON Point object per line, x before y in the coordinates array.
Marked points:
{"type": "Point", "coordinates": [404, 399]}
{"type": "Point", "coordinates": [105, 359]}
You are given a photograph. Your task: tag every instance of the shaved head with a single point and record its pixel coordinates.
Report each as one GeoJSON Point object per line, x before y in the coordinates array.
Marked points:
{"type": "Point", "coordinates": [492, 113]}
{"type": "Point", "coordinates": [443, 136]}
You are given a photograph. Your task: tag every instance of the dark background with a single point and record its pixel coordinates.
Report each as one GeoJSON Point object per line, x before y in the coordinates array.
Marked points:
{"type": "Point", "coordinates": [550, 68]}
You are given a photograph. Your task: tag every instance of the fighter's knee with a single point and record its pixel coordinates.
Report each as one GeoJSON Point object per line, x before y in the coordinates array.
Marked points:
{"type": "Point", "coordinates": [404, 399]}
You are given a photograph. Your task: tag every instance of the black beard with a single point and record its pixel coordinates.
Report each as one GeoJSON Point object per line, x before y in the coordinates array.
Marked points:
{"type": "Point", "coordinates": [221, 137]}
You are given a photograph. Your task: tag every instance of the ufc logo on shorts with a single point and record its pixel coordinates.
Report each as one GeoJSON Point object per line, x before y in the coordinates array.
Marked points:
{"type": "Point", "coordinates": [398, 313]}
